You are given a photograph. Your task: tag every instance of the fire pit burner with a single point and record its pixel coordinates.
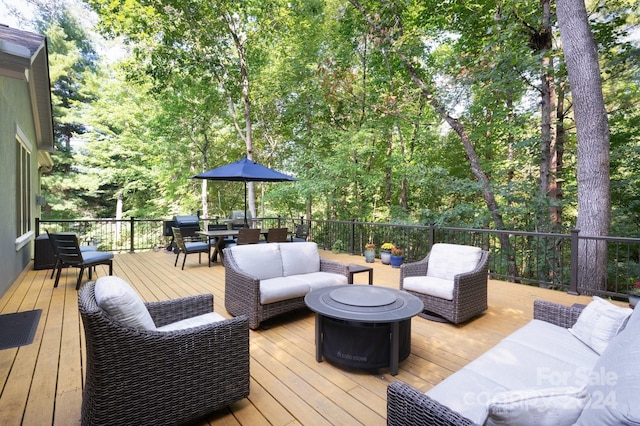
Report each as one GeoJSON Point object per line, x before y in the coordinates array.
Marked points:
{"type": "Point", "coordinates": [353, 296]}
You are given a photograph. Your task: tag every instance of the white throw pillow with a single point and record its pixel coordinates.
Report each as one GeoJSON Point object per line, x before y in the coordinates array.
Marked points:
{"type": "Point", "coordinates": [599, 322]}
{"type": "Point", "coordinates": [116, 297]}
{"type": "Point", "coordinates": [537, 407]}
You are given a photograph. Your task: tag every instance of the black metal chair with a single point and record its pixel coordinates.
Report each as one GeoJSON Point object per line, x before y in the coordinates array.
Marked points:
{"type": "Point", "coordinates": [55, 256]}
{"type": "Point", "coordinates": [188, 247]}
{"type": "Point", "coordinates": [301, 235]}
{"type": "Point", "coordinates": [67, 253]}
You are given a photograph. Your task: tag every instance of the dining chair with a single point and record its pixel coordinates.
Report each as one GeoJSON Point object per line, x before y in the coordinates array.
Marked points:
{"type": "Point", "coordinates": [188, 247]}
{"type": "Point", "coordinates": [302, 233]}
{"type": "Point", "coordinates": [248, 236]}
{"type": "Point", "coordinates": [277, 235]}
{"type": "Point", "coordinates": [68, 253]}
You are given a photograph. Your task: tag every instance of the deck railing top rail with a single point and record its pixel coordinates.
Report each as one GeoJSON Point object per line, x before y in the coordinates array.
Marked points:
{"type": "Point", "coordinates": [544, 259]}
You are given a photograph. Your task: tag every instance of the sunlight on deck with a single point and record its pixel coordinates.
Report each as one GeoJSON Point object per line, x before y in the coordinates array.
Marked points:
{"type": "Point", "coordinates": [42, 382]}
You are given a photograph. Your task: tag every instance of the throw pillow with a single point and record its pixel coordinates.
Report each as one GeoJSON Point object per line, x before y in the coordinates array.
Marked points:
{"type": "Point", "coordinates": [537, 407]}
{"type": "Point", "coordinates": [599, 322]}
{"type": "Point", "coordinates": [116, 297]}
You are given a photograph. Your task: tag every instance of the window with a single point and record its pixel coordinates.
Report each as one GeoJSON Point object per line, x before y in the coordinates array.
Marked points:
{"type": "Point", "coordinates": [23, 189]}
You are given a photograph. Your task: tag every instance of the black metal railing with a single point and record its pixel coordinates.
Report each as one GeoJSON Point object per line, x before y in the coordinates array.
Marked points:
{"type": "Point", "coordinates": [545, 260]}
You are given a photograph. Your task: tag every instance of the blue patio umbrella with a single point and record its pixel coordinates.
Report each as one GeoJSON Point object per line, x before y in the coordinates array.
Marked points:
{"type": "Point", "coordinates": [244, 170]}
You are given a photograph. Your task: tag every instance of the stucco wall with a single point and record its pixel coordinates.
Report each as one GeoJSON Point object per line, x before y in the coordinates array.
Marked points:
{"type": "Point", "coordinates": [15, 109]}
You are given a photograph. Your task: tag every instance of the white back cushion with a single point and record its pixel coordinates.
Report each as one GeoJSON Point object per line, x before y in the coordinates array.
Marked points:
{"type": "Point", "coordinates": [118, 299]}
{"type": "Point", "coordinates": [299, 258]}
{"type": "Point", "coordinates": [263, 261]}
{"type": "Point", "coordinates": [599, 322]}
{"type": "Point", "coordinates": [448, 260]}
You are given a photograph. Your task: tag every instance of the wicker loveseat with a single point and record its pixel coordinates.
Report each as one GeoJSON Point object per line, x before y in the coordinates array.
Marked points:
{"type": "Point", "coordinates": [567, 366]}
{"type": "Point", "coordinates": [168, 364]}
{"type": "Point", "coordinates": [265, 280]}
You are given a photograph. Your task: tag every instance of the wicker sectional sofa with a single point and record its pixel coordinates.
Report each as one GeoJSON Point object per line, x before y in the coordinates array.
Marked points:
{"type": "Point", "coordinates": [265, 280]}
{"type": "Point", "coordinates": [567, 366]}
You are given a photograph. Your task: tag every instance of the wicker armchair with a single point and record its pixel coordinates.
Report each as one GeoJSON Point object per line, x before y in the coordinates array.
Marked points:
{"type": "Point", "coordinates": [469, 288]}
{"type": "Point", "coordinates": [144, 377]}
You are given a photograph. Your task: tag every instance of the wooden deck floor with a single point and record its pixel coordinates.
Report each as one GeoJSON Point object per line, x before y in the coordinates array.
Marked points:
{"type": "Point", "coordinates": [41, 383]}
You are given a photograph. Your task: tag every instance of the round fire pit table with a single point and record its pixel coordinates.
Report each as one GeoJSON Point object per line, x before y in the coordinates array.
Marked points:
{"type": "Point", "coordinates": [363, 326]}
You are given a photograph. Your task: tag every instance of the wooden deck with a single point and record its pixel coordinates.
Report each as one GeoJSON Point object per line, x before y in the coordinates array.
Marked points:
{"type": "Point", "coordinates": [41, 383]}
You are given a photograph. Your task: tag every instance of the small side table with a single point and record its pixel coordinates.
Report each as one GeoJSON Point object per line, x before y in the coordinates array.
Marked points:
{"type": "Point", "coordinates": [355, 269]}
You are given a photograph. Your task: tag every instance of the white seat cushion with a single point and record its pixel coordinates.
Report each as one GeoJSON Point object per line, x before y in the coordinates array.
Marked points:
{"type": "Point", "coordinates": [120, 301]}
{"type": "Point", "coordinates": [448, 260]}
{"type": "Point", "coordinates": [537, 356]}
{"type": "Point", "coordinates": [317, 280]}
{"type": "Point", "coordinates": [262, 261]}
{"type": "Point", "coordinates": [281, 288]}
{"type": "Point", "coordinates": [430, 285]}
{"type": "Point", "coordinates": [301, 258]}
{"type": "Point", "coordinates": [196, 321]}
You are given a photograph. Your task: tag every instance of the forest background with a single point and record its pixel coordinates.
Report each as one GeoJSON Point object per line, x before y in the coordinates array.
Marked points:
{"type": "Point", "coordinates": [456, 113]}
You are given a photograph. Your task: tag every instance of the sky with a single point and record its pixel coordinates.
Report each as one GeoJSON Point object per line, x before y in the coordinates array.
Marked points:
{"type": "Point", "coordinates": [6, 18]}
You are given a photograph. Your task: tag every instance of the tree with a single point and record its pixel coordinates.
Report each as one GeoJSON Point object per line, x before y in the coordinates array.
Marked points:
{"type": "Point", "coordinates": [592, 126]}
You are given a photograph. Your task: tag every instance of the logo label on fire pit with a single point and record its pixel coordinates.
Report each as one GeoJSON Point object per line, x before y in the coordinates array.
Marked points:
{"type": "Point", "coordinates": [350, 357]}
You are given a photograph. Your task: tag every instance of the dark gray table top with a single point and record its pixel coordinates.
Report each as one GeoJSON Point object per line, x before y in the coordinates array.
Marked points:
{"type": "Point", "coordinates": [364, 303]}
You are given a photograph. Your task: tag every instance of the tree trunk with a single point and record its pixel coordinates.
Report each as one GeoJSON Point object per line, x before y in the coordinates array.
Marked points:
{"type": "Point", "coordinates": [594, 198]}
{"type": "Point", "coordinates": [557, 165]}
{"type": "Point", "coordinates": [547, 110]}
{"type": "Point", "coordinates": [246, 100]}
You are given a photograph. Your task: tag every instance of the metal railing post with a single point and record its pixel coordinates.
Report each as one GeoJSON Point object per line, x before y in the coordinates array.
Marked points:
{"type": "Point", "coordinates": [432, 234]}
{"type": "Point", "coordinates": [132, 248]}
{"type": "Point", "coordinates": [573, 279]}
{"type": "Point", "coordinates": [353, 236]}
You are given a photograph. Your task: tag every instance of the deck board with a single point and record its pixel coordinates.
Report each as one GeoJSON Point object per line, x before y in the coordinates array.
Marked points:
{"type": "Point", "coordinates": [41, 383]}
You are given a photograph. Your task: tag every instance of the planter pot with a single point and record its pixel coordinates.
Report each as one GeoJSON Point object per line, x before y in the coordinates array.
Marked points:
{"type": "Point", "coordinates": [633, 299]}
{"type": "Point", "coordinates": [385, 256]}
{"type": "Point", "coordinates": [369, 256]}
{"type": "Point", "coordinates": [396, 261]}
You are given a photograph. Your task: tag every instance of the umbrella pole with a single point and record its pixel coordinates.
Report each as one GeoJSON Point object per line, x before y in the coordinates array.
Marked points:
{"type": "Point", "coordinates": [246, 223]}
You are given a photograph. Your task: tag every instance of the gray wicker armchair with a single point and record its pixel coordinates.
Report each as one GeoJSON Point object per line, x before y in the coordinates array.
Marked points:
{"type": "Point", "coordinates": [467, 295]}
{"type": "Point", "coordinates": [148, 377]}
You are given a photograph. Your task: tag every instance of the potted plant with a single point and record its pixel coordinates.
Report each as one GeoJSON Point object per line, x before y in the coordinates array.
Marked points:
{"type": "Point", "coordinates": [385, 253]}
{"type": "Point", "coordinates": [370, 252]}
{"type": "Point", "coordinates": [396, 257]}
{"type": "Point", "coordinates": [634, 294]}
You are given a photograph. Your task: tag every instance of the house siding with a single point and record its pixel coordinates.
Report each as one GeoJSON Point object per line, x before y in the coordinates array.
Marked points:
{"type": "Point", "coordinates": [15, 111]}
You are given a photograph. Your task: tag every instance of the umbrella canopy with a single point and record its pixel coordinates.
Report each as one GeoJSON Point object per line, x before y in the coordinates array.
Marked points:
{"type": "Point", "coordinates": [244, 170]}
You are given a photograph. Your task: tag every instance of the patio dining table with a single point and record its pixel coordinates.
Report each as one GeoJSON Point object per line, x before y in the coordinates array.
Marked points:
{"type": "Point", "coordinates": [218, 235]}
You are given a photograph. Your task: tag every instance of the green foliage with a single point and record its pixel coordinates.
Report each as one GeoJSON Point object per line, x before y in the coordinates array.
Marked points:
{"type": "Point", "coordinates": [333, 103]}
